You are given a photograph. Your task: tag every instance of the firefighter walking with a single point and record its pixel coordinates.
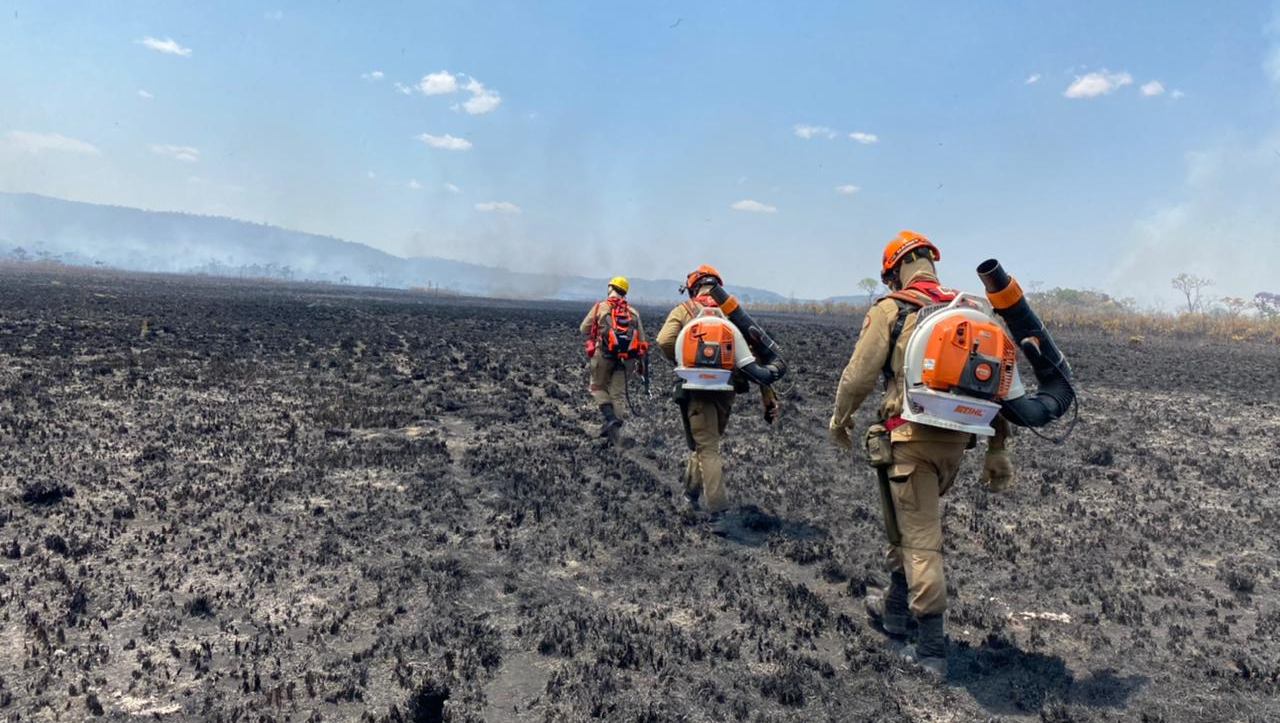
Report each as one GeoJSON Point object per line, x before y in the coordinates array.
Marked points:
{"type": "Point", "coordinates": [716, 362]}
{"type": "Point", "coordinates": [916, 463]}
{"type": "Point", "coordinates": [615, 347]}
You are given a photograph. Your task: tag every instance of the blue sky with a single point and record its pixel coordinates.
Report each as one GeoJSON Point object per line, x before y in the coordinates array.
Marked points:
{"type": "Point", "coordinates": [646, 138]}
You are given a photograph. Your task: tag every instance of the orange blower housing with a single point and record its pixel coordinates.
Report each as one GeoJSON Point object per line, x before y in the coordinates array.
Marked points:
{"type": "Point", "coordinates": [708, 343]}
{"type": "Point", "coordinates": [968, 357]}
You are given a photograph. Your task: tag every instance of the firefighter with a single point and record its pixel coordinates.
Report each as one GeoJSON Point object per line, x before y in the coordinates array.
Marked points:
{"type": "Point", "coordinates": [615, 346]}
{"type": "Point", "coordinates": [705, 413]}
{"type": "Point", "coordinates": [922, 460]}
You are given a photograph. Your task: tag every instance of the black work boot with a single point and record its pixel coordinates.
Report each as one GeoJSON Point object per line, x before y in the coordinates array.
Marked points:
{"type": "Point", "coordinates": [718, 523]}
{"type": "Point", "coordinates": [612, 427]}
{"type": "Point", "coordinates": [887, 607]}
{"type": "Point", "coordinates": [930, 649]}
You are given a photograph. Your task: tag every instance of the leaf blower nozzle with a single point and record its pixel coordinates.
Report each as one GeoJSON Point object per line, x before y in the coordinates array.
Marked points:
{"type": "Point", "coordinates": [994, 277]}
{"type": "Point", "coordinates": [1053, 374]}
{"type": "Point", "coordinates": [769, 366]}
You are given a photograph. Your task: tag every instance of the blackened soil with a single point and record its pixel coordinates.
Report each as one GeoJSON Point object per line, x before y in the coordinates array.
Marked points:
{"type": "Point", "coordinates": [230, 502]}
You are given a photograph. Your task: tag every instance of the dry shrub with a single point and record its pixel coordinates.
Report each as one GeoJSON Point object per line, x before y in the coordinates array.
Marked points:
{"type": "Point", "coordinates": [1091, 310]}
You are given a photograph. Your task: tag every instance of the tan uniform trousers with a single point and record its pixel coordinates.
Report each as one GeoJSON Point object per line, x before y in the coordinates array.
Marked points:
{"type": "Point", "coordinates": [921, 474]}
{"type": "Point", "coordinates": [608, 383]}
{"type": "Point", "coordinates": [708, 414]}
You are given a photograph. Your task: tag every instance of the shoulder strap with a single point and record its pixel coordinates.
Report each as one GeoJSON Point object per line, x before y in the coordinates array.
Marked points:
{"type": "Point", "coordinates": [916, 297]}
{"type": "Point", "coordinates": [908, 301]}
{"type": "Point", "coordinates": [595, 321]}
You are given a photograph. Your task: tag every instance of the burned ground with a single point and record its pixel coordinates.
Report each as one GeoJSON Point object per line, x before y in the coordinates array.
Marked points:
{"type": "Point", "coordinates": [249, 502]}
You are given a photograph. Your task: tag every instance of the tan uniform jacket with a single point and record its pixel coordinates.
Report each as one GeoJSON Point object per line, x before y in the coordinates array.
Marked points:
{"type": "Point", "coordinates": [670, 331]}
{"type": "Point", "coordinates": [866, 366]}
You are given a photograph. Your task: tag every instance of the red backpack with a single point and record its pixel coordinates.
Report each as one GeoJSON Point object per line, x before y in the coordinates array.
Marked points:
{"type": "Point", "coordinates": [620, 340]}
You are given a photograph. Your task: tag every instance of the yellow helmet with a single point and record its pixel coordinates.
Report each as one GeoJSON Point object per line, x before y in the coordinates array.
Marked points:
{"type": "Point", "coordinates": [620, 283]}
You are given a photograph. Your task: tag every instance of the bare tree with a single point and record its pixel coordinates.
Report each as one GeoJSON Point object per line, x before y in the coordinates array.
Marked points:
{"type": "Point", "coordinates": [870, 286]}
{"type": "Point", "coordinates": [1191, 285]}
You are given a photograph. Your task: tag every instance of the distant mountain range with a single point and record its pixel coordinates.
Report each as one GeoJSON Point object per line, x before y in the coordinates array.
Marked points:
{"type": "Point", "coordinates": [88, 234]}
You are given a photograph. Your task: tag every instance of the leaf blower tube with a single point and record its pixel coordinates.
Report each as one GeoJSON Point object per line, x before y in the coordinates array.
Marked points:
{"type": "Point", "coordinates": [1054, 394]}
{"type": "Point", "coordinates": [769, 366]}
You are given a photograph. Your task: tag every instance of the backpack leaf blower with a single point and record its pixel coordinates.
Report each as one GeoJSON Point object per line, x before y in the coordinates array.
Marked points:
{"type": "Point", "coordinates": [1055, 393]}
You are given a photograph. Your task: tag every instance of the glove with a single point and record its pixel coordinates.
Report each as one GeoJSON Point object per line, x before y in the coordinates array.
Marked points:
{"type": "Point", "coordinates": [771, 406]}
{"type": "Point", "coordinates": [840, 434]}
{"type": "Point", "coordinates": [771, 410]}
{"type": "Point", "coordinates": [997, 470]}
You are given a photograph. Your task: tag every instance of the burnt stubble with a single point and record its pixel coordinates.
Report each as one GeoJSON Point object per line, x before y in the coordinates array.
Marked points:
{"type": "Point", "coordinates": [229, 501]}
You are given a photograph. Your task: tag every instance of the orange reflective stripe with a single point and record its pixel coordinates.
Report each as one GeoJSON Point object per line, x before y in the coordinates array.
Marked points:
{"type": "Point", "coordinates": [1006, 297]}
{"type": "Point", "coordinates": [730, 305]}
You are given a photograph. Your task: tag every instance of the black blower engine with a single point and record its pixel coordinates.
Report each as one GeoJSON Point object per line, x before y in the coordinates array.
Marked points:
{"type": "Point", "coordinates": [1055, 393]}
{"type": "Point", "coordinates": [769, 366]}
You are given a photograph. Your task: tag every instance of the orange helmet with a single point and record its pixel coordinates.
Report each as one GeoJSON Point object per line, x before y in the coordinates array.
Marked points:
{"type": "Point", "coordinates": [698, 275]}
{"type": "Point", "coordinates": [901, 247]}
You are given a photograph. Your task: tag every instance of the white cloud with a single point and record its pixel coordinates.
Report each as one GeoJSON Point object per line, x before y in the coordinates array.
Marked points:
{"type": "Point", "coordinates": [438, 83]}
{"type": "Point", "coordinates": [413, 184]}
{"type": "Point", "coordinates": [1152, 89]}
{"type": "Point", "coordinates": [1093, 85]}
{"type": "Point", "coordinates": [274, 15]}
{"type": "Point", "coordinates": [186, 154]}
{"type": "Point", "coordinates": [482, 99]}
{"type": "Point", "coordinates": [403, 89]}
{"type": "Point", "coordinates": [848, 189]}
{"type": "Point", "coordinates": [499, 207]}
{"type": "Point", "coordinates": [145, 94]}
{"type": "Point", "coordinates": [452, 188]}
{"type": "Point", "coordinates": [1032, 79]}
{"type": "Point", "coordinates": [446, 142]}
{"type": "Point", "coordinates": [1177, 94]}
{"type": "Point", "coordinates": [806, 131]}
{"type": "Point", "coordinates": [753, 207]}
{"type": "Point", "coordinates": [865, 138]}
{"type": "Point", "coordinates": [29, 142]}
{"type": "Point", "coordinates": [168, 45]}
{"type": "Point", "coordinates": [374, 75]}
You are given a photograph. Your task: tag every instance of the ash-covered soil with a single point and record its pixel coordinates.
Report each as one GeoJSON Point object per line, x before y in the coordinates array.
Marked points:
{"type": "Point", "coordinates": [237, 502]}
